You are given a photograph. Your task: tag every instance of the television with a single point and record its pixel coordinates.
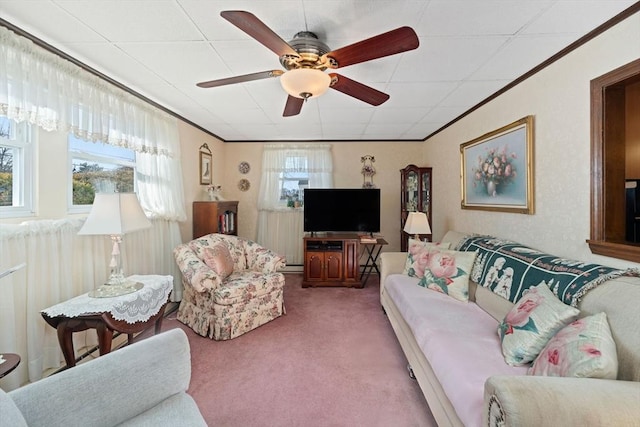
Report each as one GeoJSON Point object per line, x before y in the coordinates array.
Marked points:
{"type": "Point", "coordinates": [342, 210]}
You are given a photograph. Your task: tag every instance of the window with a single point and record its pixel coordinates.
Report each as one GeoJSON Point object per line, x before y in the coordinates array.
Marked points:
{"type": "Point", "coordinates": [98, 167]}
{"type": "Point", "coordinates": [16, 171]}
{"type": "Point", "coordinates": [293, 180]}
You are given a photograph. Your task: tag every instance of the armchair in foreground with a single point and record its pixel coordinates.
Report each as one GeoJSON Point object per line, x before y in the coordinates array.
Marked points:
{"type": "Point", "coordinates": [141, 384]}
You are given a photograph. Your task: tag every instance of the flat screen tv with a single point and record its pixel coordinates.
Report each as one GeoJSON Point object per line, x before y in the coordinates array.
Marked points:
{"type": "Point", "coordinates": [342, 210]}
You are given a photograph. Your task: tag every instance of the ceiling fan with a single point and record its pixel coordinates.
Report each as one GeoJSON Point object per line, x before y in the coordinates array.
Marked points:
{"type": "Point", "coordinates": [305, 59]}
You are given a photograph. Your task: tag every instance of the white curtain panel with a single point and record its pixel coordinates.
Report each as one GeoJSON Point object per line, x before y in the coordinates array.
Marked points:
{"type": "Point", "coordinates": [53, 93]}
{"type": "Point", "coordinates": [280, 228]}
{"type": "Point", "coordinates": [60, 265]}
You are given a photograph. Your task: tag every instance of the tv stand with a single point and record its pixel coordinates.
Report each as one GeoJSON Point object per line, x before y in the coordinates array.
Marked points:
{"type": "Point", "coordinates": [331, 260]}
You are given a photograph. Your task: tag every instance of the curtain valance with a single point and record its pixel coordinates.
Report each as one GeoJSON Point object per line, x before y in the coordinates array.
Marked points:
{"type": "Point", "coordinates": [53, 93]}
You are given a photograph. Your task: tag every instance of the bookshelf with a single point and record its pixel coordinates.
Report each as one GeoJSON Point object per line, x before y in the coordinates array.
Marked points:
{"type": "Point", "coordinates": [215, 217]}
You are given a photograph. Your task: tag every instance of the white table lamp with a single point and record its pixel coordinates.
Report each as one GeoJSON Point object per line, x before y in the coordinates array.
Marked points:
{"type": "Point", "coordinates": [114, 215]}
{"type": "Point", "coordinates": [417, 223]}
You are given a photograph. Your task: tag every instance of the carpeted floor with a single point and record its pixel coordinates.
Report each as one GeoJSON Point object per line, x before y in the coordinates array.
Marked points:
{"type": "Point", "coordinates": [332, 360]}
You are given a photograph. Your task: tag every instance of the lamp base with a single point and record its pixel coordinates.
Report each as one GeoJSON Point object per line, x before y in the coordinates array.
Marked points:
{"type": "Point", "coordinates": [110, 291]}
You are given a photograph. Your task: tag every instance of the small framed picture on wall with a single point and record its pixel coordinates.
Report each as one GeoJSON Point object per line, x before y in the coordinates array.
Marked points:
{"type": "Point", "coordinates": [205, 168]}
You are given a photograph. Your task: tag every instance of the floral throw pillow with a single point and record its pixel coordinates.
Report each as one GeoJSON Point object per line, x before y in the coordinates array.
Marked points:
{"type": "Point", "coordinates": [531, 323]}
{"type": "Point", "coordinates": [448, 272]}
{"type": "Point", "coordinates": [584, 348]}
{"type": "Point", "coordinates": [218, 258]}
{"type": "Point", "coordinates": [418, 256]}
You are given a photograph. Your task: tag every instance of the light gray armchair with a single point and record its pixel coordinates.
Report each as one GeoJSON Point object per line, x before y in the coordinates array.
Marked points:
{"type": "Point", "coordinates": [143, 384]}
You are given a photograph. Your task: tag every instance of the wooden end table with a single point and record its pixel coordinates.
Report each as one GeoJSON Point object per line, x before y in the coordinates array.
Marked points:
{"type": "Point", "coordinates": [11, 362]}
{"type": "Point", "coordinates": [112, 315]}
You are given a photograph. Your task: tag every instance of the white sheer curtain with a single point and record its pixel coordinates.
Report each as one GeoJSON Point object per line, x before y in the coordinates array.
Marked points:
{"type": "Point", "coordinates": [281, 228]}
{"type": "Point", "coordinates": [52, 93]}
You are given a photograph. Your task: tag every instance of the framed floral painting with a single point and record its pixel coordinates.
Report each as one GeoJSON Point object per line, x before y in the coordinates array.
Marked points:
{"type": "Point", "coordinates": [497, 169]}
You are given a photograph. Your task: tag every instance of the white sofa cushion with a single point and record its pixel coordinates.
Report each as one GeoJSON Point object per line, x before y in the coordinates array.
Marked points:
{"type": "Point", "coordinates": [458, 339]}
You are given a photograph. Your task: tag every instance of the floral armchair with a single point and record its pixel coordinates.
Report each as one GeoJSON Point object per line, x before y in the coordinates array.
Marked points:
{"type": "Point", "coordinates": [231, 285]}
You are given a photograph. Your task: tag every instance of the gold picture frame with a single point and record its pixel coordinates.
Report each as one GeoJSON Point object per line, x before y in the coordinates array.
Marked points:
{"type": "Point", "coordinates": [206, 164]}
{"type": "Point", "coordinates": [496, 169]}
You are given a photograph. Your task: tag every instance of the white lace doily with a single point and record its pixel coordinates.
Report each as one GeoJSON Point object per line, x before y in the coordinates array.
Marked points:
{"type": "Point", "coordinates": [138, 306]}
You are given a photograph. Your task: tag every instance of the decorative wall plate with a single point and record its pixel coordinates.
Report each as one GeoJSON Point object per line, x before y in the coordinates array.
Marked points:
{"type": "Point", "coordinates": [244, 167]}
{"type": "Point", "coordinates": [244, 184]}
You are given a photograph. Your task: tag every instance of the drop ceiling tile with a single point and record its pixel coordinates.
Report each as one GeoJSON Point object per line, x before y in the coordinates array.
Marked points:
{"type": "Point", "coordinates": [398, 115]}
{"type": "Point", "coordinates": [507, 17]}
{"type": "Point", "coordinates": [347, 115]}
{"type": "Point", "coordinates": [419, 131]}
{"type": "Point", "coordinates": [134, 20]}
{"type": "Point", "coordinates": [520, 55]}
{"type": "Point", "coordinates": [245, 57]}
{"type": "Point", "coordinates": [113, 62]}
{"type": "Point", "coordinates": [178, 62]}
{"type": "Point", "coordinates": [447, 59]}
{"type": "Point", "coordinates": [442, 115]}
{"type": "Point", "coordinates": [385, 131]}
{"type": "Point", "coordinates": [576, 16]}
{"type": "Point", "coordinates": [469, 93]}
{"type": "Point", "coordinates": [285, 18]}
{"type": "Point", "coordinates": [342, 23]}
{"type": "Point", "coordinates": [418, 94]}
{"type": "Point", "coordinates": [343, 131]}
{"type": "Point", "coordinates": [47, 21]}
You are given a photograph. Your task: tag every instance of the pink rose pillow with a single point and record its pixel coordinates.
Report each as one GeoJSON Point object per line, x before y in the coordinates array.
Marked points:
{"type": "Point", "coordinates": [584, 348]}
{"type": "Point", "coordinates": [448, 272]}
{"type": "Point", "coordinates": [531, 323]}
{"type": "Point", "coordinates": [418, 256]}
{"type": "Point", "coordinates": [218, 258]}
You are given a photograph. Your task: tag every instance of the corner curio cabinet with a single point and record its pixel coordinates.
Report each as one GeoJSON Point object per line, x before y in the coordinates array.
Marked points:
{"type": "Point", "coordinates": [415, 195]}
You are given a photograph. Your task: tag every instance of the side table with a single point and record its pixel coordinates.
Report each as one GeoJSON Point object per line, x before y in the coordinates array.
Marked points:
{"type": "Point", "coordinates": [127, 314]}
{"type": "Point", "coordinates": [372, 251]}
{"type": "Point", "coordinates": [10, 362]}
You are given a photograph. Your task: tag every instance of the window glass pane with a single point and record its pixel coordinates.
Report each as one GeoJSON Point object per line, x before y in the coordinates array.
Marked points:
{"type": "Point", "coordinates": [6, 175]}
{"type": "Point", "coordinates": [98, 167]}
{"type": "Point", "coordinates": [15, 169]}
{"type": "Point", "coordinates": [293, 181]}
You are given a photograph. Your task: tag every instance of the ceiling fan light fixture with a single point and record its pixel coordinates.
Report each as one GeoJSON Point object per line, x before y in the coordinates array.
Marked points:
{"type": "Point", "coordinates": [305, 82]}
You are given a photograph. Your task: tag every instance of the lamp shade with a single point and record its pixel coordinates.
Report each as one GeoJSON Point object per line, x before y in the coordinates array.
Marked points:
{"type": "Point", "coordinates": [417, 223]}
{"type": "Point", "coordinates": [305, 82]}
{"type": "Point", "coordinates": [115, 214]}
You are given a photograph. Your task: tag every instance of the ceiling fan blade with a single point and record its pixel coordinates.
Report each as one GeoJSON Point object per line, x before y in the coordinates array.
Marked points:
{"type": "Point", "coordinates": [293, 106]}
{"type": "Point", "coordinates": [357, 90]}
{"type": "Point", "coordinates": [241, 79]}
{"type": "Point", "coordinates": [257, 29]}
{"type": "Point", "coordinates": [390, 43]}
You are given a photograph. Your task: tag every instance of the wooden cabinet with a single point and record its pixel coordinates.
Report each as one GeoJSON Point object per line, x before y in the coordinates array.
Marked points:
{"type": "Point", "coordinates": [415, 196]}
{"type": "Point", "coordinates": [215, 217]}
{"type": "Point", "coordinates": [331, 260]}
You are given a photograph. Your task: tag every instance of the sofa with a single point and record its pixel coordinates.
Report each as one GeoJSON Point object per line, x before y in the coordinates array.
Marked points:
{"type": "Point", "coordinates": [455, 354]}
{"type": "Point", "coordinates": [143, 384]}
{"type": "Point", "coordinates": [231, 285]}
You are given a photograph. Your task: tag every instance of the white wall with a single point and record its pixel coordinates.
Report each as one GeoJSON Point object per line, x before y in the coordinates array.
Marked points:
{"type": "Point", "coordinates": [559, 99]}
